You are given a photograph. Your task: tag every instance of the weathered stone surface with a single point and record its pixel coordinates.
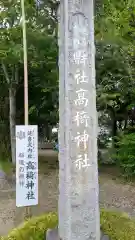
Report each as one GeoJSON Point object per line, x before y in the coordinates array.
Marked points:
{"type": "Point", "coordinates": [78, 175]}
{"type": "Point", "coordinates": [52, 234]}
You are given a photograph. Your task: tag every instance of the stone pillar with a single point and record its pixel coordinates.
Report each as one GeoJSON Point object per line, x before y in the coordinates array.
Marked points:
{"type": "Point", "coordinates": [62, 115]}
{"type": "Point", "coordinates": [78, 173]}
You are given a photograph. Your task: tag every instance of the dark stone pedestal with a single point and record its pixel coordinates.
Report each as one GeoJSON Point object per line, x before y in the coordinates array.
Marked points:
{"type": "Point", "coordinates": [52, 234]}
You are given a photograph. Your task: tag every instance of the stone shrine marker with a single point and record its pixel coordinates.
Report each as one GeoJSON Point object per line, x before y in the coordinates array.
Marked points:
{"type": "Point", "coordinates": [78, 174]}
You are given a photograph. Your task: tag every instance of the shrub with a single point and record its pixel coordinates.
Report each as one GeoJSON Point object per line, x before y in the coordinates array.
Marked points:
{"type": "Point", "coordinates": [33, 229]}
{"type": "Point", "coordinates": [118, 226]}
{"type": "Point", "coordinates": [125, 157]}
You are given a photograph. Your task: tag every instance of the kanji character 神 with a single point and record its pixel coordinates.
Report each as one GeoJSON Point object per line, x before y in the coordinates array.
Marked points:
{"type": "Point", "coordinates": [82, 138]}
{"type": "Point", "coordinates": [30, 185]}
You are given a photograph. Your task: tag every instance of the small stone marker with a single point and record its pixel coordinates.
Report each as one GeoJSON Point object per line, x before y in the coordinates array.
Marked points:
{"type": "Point", "coordinates": [79, 217]}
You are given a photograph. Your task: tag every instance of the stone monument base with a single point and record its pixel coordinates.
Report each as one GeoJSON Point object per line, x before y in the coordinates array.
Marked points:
{"type": "Point", "coordinates": [52, 234]}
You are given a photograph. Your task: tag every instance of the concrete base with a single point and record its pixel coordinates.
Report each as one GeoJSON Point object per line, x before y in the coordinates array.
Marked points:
{"type": "Point", "coordinates": [52, 234]}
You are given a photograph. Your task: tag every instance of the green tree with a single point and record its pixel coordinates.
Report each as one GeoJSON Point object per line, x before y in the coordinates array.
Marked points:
{"type": "Point", "coordinates": [115, 86]}
{"type": "Point", "coordinates": [42, 52]}
{"type": "Point", "coordinates": [115, 59]}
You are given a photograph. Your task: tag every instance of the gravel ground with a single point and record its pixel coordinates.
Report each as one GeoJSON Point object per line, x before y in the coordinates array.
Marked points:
{"type": "Point", "coordinates": [113, 195]}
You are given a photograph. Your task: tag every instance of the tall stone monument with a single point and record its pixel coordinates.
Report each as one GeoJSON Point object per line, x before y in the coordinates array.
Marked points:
{"type": "Point", "coordinates": [78, 173]}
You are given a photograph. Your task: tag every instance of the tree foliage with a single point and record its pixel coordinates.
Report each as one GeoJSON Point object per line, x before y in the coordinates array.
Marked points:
{"type": "Point", "coordinates": [115, 54]}
{"type": "Point", "coordinates": [114, 33]}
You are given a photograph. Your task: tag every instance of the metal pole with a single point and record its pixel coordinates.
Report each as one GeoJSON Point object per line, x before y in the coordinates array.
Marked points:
{"type": "Point", "coordinates": [26, 114]}
{"type": "Point", "coordinates": [25, 65]}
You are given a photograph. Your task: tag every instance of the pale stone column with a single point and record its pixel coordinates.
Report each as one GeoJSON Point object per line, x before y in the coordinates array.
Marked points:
{"type": "Point", "coordinates": [78, 174]}
{"type": "Point", "coordinates": [62, 115]}
{"type": "Point", "coordinates": [78, 181]}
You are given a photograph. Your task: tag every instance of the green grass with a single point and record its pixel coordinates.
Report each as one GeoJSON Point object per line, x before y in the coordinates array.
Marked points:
{"type": "Point", "coordinates": [33, 229]}
{"type": "Point", "coordinates": [118, 227]}
{"type": "Point", "coordinates": [6, 166]}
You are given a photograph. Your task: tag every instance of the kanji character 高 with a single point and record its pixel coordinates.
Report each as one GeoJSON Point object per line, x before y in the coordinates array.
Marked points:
{"type": "Point", "coordinates": [30, 165]}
